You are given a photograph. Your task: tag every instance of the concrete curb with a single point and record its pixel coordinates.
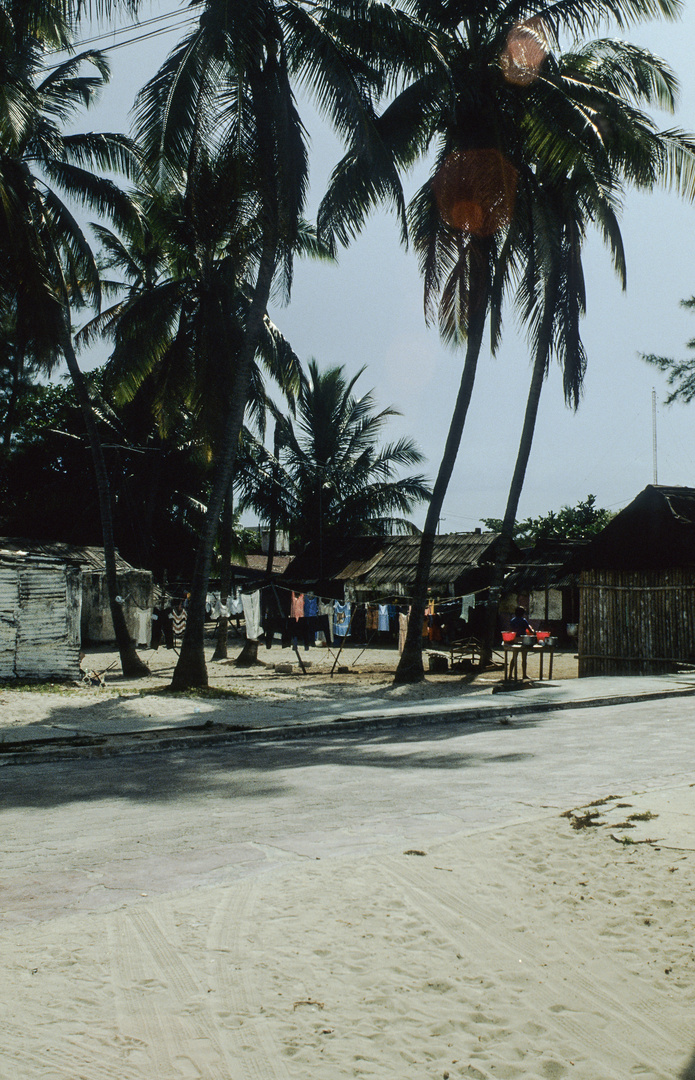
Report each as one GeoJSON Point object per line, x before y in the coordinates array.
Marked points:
{"type": "Point", "coordinates": [155, 740]}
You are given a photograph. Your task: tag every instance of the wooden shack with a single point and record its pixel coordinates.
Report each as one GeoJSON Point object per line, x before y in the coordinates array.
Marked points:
{"type": "Point", "coordinates": [40, 601]}
{"type": "Point", "coordinates": [135, 586]}
{"type": "Point", "coordinates": [371, 567]}
{"type": "Point", "coordinates": [637, 588]}
{"type": "Point", "coordinates": [546, 586]}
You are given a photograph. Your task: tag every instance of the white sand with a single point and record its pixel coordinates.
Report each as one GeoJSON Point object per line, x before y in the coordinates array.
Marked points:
{"type": "Point", "coordinates": [533, 951]}
{"type": "Point", "coordinates": [259, 694]}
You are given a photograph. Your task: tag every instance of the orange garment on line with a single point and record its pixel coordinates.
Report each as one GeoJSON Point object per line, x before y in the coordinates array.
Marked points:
{"type": "Point", "coordinates": [297, 606]}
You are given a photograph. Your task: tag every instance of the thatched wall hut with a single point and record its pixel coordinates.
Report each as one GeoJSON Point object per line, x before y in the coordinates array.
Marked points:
{"type": "Point", "coordinates": [546, 586]}
{"type": "Point", "coordinates": [637, 588]}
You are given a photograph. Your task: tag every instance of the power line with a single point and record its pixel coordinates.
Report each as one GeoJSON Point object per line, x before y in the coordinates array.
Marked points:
{"type": "Point", "coordinates": [186, 21]}
{"type": "Point", "coordinates": [125, 29]}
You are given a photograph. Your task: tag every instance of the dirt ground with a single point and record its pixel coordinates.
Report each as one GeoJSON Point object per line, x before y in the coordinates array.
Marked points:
{"type": "Point", "coordinates": [356, 678]}
{"type": "Point", "coordinates": [355, 666]}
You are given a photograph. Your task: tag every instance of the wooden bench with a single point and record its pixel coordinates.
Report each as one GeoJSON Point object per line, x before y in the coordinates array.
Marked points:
{"type": "Point", "coordinates": [458, 652]}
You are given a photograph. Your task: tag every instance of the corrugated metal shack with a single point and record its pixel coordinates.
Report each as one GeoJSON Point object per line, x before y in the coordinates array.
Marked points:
{"type": "Point", "coordinates": [376, 567]}
{"type": "Point", "coordinates": [40, 600]}
{"type": "Point", "coordinates": [135, 586]}
{"type": "Point", "coordinates": [546, 586]}
{"type": "Point", "coordinates": [637, 588]}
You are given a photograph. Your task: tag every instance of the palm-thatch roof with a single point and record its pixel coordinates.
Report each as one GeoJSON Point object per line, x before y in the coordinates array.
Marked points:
{"type": "Point", "coordinates": [655, 531]}
{"type": "Point", "coordinates": [386, 566]}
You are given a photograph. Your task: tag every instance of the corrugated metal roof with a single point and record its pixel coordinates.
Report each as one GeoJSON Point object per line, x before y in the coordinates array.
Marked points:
{"type": "Point", "coordinates": [545, 564]}
{"type": "Point", "coordinates": [88, 558]}
{"type": "Point", "coordinates": [260, 562]}
{"type": "Point", "coordinates": [327, 559]}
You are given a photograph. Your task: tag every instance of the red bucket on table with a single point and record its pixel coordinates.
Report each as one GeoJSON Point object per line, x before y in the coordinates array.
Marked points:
{"type": "Point", "coordinates": [542, 635]}
{"type": "Point", "coordinates": [508, 636]}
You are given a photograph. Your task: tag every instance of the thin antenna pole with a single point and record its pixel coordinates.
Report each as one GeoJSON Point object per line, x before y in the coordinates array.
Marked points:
{"type": "Point", "coordinates": [656, 480]}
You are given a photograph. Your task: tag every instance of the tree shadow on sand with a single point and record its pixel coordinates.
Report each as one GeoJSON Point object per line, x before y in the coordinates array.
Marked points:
{"type": "Point", "coordinates": [248, 770]}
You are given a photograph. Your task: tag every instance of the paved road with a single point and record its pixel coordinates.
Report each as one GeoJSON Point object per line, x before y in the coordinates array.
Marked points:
{"type": "Point", "coordinates": [84, 834]}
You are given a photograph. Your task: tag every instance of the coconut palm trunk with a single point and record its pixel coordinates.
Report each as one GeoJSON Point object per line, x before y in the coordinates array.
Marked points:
{"type": "Point", "coordinates": [538, 375]}
{"type": "Point", "coordinates": [132, 666]}
{"type": "Point", "coordinates": [226, 526]}
{"type": "Point", "coordinates": [191, 670]}
{"type": "Point", "coordinates": [410, 668]}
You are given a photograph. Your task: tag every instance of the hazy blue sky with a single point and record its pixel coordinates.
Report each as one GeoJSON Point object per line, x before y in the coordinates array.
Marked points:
{"type": "Point", "coordinates": [368, 310]}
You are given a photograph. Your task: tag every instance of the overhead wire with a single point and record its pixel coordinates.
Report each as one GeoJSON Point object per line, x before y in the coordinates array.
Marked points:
{"type": "Point", "coordinates": [158, 31]}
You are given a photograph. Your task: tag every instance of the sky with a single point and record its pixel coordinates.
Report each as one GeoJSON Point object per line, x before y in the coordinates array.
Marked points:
{"type": "Point", "coordinates": [367, 311]}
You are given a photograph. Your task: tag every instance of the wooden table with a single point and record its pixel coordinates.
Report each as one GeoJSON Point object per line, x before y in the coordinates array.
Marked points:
{"type": "Point", "coordinates": [511, 660]}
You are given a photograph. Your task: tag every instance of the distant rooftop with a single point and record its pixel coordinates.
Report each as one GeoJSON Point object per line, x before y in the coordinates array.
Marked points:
{"type": "Point", "coordinates": [89, 558]}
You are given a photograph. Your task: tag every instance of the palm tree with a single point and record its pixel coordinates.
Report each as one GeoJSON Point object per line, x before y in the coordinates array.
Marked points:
{"type": "Point", "coordinates": [47, 269]}
{"type": "Point", "coordinates": [180, 304]}
{"type": "Point", "coordinates": [495, 107]}
{"type": "Point", "coordinates": [551, 291]}
{"type": "Point", "coordinates": [230, 81]}
{"type": "Point", "coordinates": [329, 476]}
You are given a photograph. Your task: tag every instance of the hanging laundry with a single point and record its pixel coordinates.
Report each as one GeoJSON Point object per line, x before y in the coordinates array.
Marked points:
{"type": "Point", "coordinates": [251, 603]}
{"type": "Point", "coordinates": [297, 606]}
{"type": "Point", "coordinates": [383, 616]}
{"type": "Point", "coordinates": [311, 605]}
{"type": "Point", "coordinates": [402, 629]}
{"type": "Point", "coordinates": [178, 621]}
{"type": "Point", "coordinates": [341, 619]}
{"type": "Point", "coordinates": [435, 627]}
{"type": "Point", "coordinates": [235, 603]}
{"type": "Point", "coordinates": [157, 627]}
{"type": "Point", "coordinates": [325, 608]}
{"type": "Point", "coordinates": [467, 602]}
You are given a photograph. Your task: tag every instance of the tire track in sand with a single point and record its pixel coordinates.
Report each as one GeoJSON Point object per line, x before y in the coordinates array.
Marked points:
{"type": "Point", "coordinates": [589, 1001]}
{"type": "Point", "coordinates": [162, 1001]}
{"type": "Point", "coordinates": [231, 951]}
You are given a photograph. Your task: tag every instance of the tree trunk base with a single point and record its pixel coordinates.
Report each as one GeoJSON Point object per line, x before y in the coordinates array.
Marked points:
{"type": "Point", "coordinates": [410, 669]}
{"type": "Point", "coordinates": [190, 672]}
{"type": "Point", "coordinates": [221, 652]}
{"type": "Point", "coordinates": [248, 657]}
{"type": "Point", "coordinates": [131, 664]}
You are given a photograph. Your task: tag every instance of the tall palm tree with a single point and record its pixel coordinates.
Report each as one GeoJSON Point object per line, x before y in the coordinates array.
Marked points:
{"type": "Point", "coordinates": [232, 79]}
{"type": "Point", "coordinates": [329, 476]}
{"type": "Point", "coordinates": [178, 279]}
{"type": "Point", "coordinates": [494, 108]}
{"type": "Point", "coordinates": [46, 265]}
{"type": "Point", "coordinates": [551, 289]}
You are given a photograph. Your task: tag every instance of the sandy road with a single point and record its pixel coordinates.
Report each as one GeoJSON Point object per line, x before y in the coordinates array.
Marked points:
{"type": "Point", "coordinates": [251, 912]}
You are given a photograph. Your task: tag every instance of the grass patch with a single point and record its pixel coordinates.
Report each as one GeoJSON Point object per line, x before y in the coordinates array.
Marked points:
{"type": "Point", "coordinates": [25, 686]}
{"type": "Point", "coordinates": [200, 693]}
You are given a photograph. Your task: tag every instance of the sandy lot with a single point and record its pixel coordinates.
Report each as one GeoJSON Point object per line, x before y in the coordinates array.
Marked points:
{"type": "Point", "coordinates": [357, 677]}
{"type": "Point", "coordinates": [534, 951]}
{"type": "Point", "coordinates": [559, 946]}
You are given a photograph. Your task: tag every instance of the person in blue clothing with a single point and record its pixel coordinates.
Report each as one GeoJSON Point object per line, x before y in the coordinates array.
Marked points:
{"type": "Point", "coordinates": [520, 623]}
